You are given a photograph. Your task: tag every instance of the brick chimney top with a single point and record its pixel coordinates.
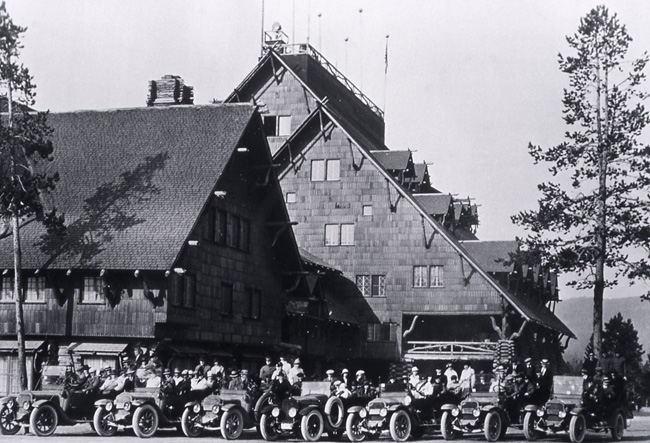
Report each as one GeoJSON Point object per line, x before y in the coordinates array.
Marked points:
{"type": "Point", "coordinates": [170, 90]}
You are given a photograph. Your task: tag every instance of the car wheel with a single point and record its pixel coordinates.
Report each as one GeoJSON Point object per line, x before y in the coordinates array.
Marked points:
{"type": "Point", "coordinates": [400, 425]}
{"type": "Point", "coordinates": [269, 428]}
{"type": "Point", "coordinates": [446, 426]}
{"type": "Point", "coordinates": [618, 428]}
{"type": "Point", "coordinates": [492, 426]}
{"type": "Point", "coordinates": [8, 426]}
{"type": "Point", "coordinates": [232, 424]}
{"type": "Point", "coordinates": [335, 412]}
{"type": "Point", "coordinates": [189, 423]}
{"type": "Point", "coordinates": [577, 428]}
{"type": "Point", "coordinates": [145, 421]}
{"type": "Point", "coordinates": [311, 425]}
{"type": "Point", "coordinates": [352, 428]}
{"type": "Point", "coordinates": [529, 426]}
{"type": "Point", "coordinates": [43, 420]}
{"type": "Point", "coordinates": [103, 422]}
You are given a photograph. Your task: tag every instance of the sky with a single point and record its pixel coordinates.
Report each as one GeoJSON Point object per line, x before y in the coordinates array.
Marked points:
{"type": "Point", "coordinates": [467, 85]}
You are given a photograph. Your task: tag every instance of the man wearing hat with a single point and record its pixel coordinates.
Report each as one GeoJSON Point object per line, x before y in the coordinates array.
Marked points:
{"type": "Point", "coordinates": [414, 378]}
{"type": "Point", "coordinates": [167, 385]}
{"type": "Point", "coordinates": [266, 371]}
{"type": "Point", "coordinates": [110, 383]}
{"type": "Point", "coordinates": [330, 379]}
{"type": "Point", "coordinates": [529, 370]}
{"type": "Point", "coordinates": [185, 384]}
{"type": "Point", "coordinates": [345, 378]}
{"type": "Point", "coordinates": [294, 371]}
{"type": "Point", "coordinates": [449, 371]}
{"type": "Point", "coordinates": [92, 383]}
{"type": "Point", "coordinates": [129, 380]}
{"type": "Point", "coordinates": [544, 383]}
{"type": "Point", "coordinates": [177, 376]}
{"type": "Point", "coordinates": [235, 380]}
{"type": "Point", "coordinates": [202, 368]}
{"type": "Point", "coordinates": [341, 390]}
{"type": "Point", "coordinates": [280, 386]}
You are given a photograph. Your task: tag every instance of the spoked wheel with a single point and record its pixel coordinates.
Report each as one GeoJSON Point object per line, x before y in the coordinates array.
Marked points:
{"type": "Point", "coordinates": [352, 428]}
{"type": "Point", "coordinates": [189, 422]}
{"type": "Point", "coordinates": [492, 426]}
{"type": "Point", "coordinates": [529, 427]}
{"type": "Point", "coordinates": [103, 422]}
{"type": "Point", "coordinates": [577, 428]}
{"type": "Point", "coordinates": [232, 424]}
{"type": "Point", "coordinates": [446, 426]}
{"type": "Point", "coordinates": [618, 428]}
{"type": "Point", "coordinates": [400, 425]}
{"type": "Point", "coordinates": [8, 426]}
{"type": "Point", "coordinates": [145, 421]}
{"type": "Point", "coordinates": [43, 421]}
{"type": "Point", "coordinates": [269, 427]}
{"type": "Point", "coordinates": [311, 425]}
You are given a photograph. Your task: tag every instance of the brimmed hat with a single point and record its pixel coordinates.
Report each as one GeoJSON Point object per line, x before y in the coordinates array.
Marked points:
{"type": "Point", "coordinates": [338, 383]}
{"type": "Point", "coordinates": [330, 372]}
{"type": "Point", "coordinates": [528, 360]}
{"type": "Point", "coordinates": [345, 371]}
{"type": "Point", "coordinates": [296, 361]}
{"type": "Point", "coordinates": [360, 372]}
{"type": "Point", "coordinates": [177, 370]}
{"type": "Point", "coordinates": [234, 373]}
{"type": "Point", "coordinates": [415, 369]}
{"type": "Point", "coordinates": [167, 371]}
{"type": "Point", "coordinates": [244, 372]}
{"type": "Point", "coordinates": [544, 361]}
{"type": "Point", "coordinates": [185, 372]}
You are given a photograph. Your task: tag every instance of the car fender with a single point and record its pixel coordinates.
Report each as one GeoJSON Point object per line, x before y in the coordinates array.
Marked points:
{"type": "Point", "coordinates": [308, 409]}
{"type": "Point", "coordinates": [191, 404]}
{"type": "Point", "coordinates": [395, 407]}
{"type": "Point", "coordinates": [102, 402]}
{"type": "Point", "coordinates": [448, 407]}
{"type": "Point", "coordinates": [229, 406]}
{"type": "Point", "coordinates": [354, 409]}
{"type": "Point", "coordinates": [268, 409]}
{"type": "Point", "coordinates": [575, 411]}
{"type": "Point", "coordinates": [38, 403]}
{"type": "Point", "coordinates": [531, 408]}
{"type": "Point", "coordinates": [489, 408]}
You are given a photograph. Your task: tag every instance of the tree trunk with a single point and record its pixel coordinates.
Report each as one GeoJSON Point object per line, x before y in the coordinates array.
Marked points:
{"type": "Point", "coordinates": [18, 297]}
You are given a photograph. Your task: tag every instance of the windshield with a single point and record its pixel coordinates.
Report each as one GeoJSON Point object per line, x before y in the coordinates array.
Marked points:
{"type": "Point", "coordinates": [53, 377]}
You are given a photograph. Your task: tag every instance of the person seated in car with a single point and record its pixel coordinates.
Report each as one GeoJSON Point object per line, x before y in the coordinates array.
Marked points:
{"type": "Point", "coordinates": [92, 383]}
{"type": "Point", "coordinates": [341, 390]}
{"type": "Point", "coordinates": [167, 384]}
{"type": "Point", "coordinates": [281, 386]}
{"type": "Point", "coordinates": [185, 385]}
{"type": "Point", "coordinates": [453, 386]}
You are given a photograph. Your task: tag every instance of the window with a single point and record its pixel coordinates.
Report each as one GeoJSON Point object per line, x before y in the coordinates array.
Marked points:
{"type": "Point", "coordinates": [244, 235]}
{"type": "Point", "coordinates": [381, 332]}
{"type": "Point", "coordinates": [183, 290]}
{"type": "Point", "coordinates": [428, 276]}
{"type": "Point", "coordinates": [277, 125]}
{"type": "Point", "coordinates": [253, 304]}
{"type": "Point", "coordinates": [93, 290]}
{"type": "Point", "coordinates": [291, 197]}
{"type": "Point", "coordinates": [333, 172]}
{"type": "Point", "coordinates": [435, 276]}
{"type": "Point", "coordinates": [177, 288]}
{"type": "Point", "coordinates": [363, 283]}
{"type": "Point", "coordinates": [232, 231]}
{"type": "Point", "coordinates": [317, 170]}
{"type": "Point", "coordinates": [220, 227]}
{"type": "Point", "coordinates": [347, 234]}
{"type": "Point", "coordinates": [7, 289]}
{"type": "Point", "coordinates": [420, 277]}
{"type": "Point", "coordinates": [226, 298]}
{"type": "Point", "coordinates": [367, 210]}
{"type": "Point", "coordinates": [372, 285]}
{"type": "Point", "coordinates": [35, 290]}
{"type": "Point", "coordinates": [332, 235]}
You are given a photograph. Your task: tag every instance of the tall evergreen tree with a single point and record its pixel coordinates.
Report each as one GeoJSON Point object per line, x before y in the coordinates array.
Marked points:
{"type": "Point", "coordinates": [24, 149]}
{"type": "Point", "coordinates": [600, 219]}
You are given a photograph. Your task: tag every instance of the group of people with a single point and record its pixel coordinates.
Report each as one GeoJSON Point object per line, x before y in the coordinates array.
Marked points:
{"type": "Point", "coordinates": [603, 385]}
{"type": "Point", "coordinates": [523, 384]}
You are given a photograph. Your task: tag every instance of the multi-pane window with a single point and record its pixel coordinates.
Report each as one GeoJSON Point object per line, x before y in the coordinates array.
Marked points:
{"type": "Point", "coordinates": [381, 332]}
{"type": "Point", "coordinates": [367, 210]}
{"type": "Point", "coordinates": [317, 170]}
{"type": "Point", "coordinates": [231, 230]}
{"type": "Point", "coordinates": [253, 304]}
{"type": "Point", "coordinates": [428, 276]}
{"type": "Point", "coordinates": [226, 298]}
{"type": "Point", "coordinates": [35, 290]}
{"type": "Point", "coordinates": [92, 291]}
{"type": "Point", "coordinates": [420, 277]}
{"type": "Point", "coordinates": [7, 289]}
{"type": "Point", "coordinates": [183, 290]}
{"type": "Point", "coordinates": [372, 285]}
{"type": "Point", "coordinates": [277, 125]}
{"type": "Point", "coordinates": [342, 234]}
{"type": "Point", "coordinates": [291, 197]}
{"type": "Point", "coordinates": [220, 227]}
{"type": "Point", "coordinates": [325, 170]}
{"type": "Point", "coordinates": [333, 170]}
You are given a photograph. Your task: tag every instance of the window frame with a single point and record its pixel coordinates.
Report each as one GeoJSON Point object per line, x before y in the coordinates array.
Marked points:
{"type": "Point", "coordinates": [320, 174]}
{"type": "Point", "coordinates": [40, 289]}
{"type": "Point", "coordinates": [253, 306]}
{"type": "Point", "coordinates": [366, 210]}
{"type": "Point", "coordinates": [96, 287]}
{"type": "Point", "coordinates": [364, 287]}
{"type": "Point", "coordinates": [7, 293]}
{"type": "Point", "coordinates": [332, 173]}
{"type": "Point", "coordinates": [381, 286]}
{"type": "Point", "coordinates": [349, 234]}
{"type": "Point", "coordinates": [420, 276]}
{"type": "Point", "coordinates": [335, 234]}
{"type": "Point", "coordinates": [291, 199]}
{"type": "Point", "coordinates": [226, 293]}
{"type": "Point", "coordinates": [436, 280]}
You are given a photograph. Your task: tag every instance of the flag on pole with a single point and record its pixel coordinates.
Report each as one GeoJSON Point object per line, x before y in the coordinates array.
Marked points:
{"type": "Point", "coordinates": [386, 57]}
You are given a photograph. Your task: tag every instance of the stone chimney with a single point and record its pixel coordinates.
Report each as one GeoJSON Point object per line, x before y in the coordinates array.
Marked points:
{"type": "Point", "coordinates": [170, 90]}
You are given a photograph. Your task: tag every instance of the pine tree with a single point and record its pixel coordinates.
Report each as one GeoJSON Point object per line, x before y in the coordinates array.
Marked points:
{"type": "Point", "coordinates": [24, 150]}
{"type": "Point", "coordinates": [597, 221]}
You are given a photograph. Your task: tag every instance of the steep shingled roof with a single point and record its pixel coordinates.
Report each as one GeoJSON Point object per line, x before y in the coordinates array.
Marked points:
{"type": "Point", "coordinates": [434, 204]}
{"type": "Point", "coordinates": [487, 253]}
{"type": "Point", "coordinates": [126, 191]}
{"type": "Point", "coordinates": [393, 160]}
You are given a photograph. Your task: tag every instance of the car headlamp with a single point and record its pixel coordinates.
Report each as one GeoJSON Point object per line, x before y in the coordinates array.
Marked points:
{"type": "Point", "coordinates": [476, 412]}
{"type": "Point", "coordinates": [455, 412]}
{"type": "Point", "coordinates": [27, 405]}
{"type": "Point", "coordinates": [540, 412]}
{"type": "Point", "coordinates": [109, 406]}
{"type": "Point", "coordinates": [292, 412]}
{"type": "Point", "coordinates": [561, 414]}
{"type": "Point", "coordinates": [275, 412]}
{"type": "Point", "coordinates": [127, 406]}
{"type": "Point", "coordinates": [363, 413]}
{"type": "Point", "coordinates": [11, 404]}
{"type": "Point", "coordinates": [407, 400]}
{"type": "Point", "coordinates": [215, 409]}
{"type": "Point", "coordinates": [383, 412]}
{"type": "Point", "coordinates": [196, 408]}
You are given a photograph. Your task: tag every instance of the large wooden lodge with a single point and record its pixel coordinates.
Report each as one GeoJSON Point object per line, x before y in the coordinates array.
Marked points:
{"type": "Point", "coordinates": [277, 222]}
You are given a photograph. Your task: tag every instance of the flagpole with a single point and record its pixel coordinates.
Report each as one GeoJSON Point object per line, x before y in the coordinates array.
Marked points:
{"type": "Point", "coordinates": [385, 73]}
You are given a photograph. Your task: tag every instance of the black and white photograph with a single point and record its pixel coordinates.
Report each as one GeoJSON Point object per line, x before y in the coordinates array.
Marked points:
{"type": "Point", "coordinates": [336, 220]}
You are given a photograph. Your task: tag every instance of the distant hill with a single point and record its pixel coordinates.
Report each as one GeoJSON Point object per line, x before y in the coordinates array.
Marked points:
{"type": "Point", "coordinates": [577, 314]}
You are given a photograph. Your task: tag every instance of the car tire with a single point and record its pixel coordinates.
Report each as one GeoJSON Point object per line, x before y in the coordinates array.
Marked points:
{"type": "Point", "coordinates": [43, 420]}
{"type": "Point", "coordinates": [7, 424]}
{"type": "Point", "coordinates": [400, 425]}
{"type": "Point", "coordinates": [577, 428]}
{"type": "Point", "coordinates": [446, 427]}
{"type": "Point", "coordinates": [529, 426]}
{"type": "Point", "coordinates": [102, 428]}
{"type": "Point", "coordinates": [618, 427]}
{"type": "Point", "coordinates": [188, 420]}
{"type": "Point", "coordinates": [492, 426]}
{"type": "Point", "coordinates": [335, 412]}
{"type": "Point", "coordinates": [312, 425]}
{"type": "Point", "coordinates": [268, 428]}
{"type": "Point", "coordinates": [232, 424]}
{"type": "Point", "coordinates": [352, 428]}
{"type": "Point", "coordinates": [145, 421]}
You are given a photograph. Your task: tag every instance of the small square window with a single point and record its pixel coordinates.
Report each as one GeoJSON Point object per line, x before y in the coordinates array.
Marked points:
{"type": "Point", "coordinates": [291, 197]}
{"type": "Point", "coordinates": [93, 290]}
{"type": "Point", "coordinates": [333, 170]}
{"type": "Point", "coordinates": [367, 210]}
{"type": "Point", "coordinates": [35, 290]}
{"type": "Point", "coordinates": [347, 234]}
{"type": "Point", "coordinates": [378, 288]}
{"type": "Point", "coordinates": [317, 170]}
{"type": "Point", "coordinates": [284, 125]}
{"type": "Point", "coordinates": [332, 235]}
{"type": "Point", "coordinates": [363, 283]}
